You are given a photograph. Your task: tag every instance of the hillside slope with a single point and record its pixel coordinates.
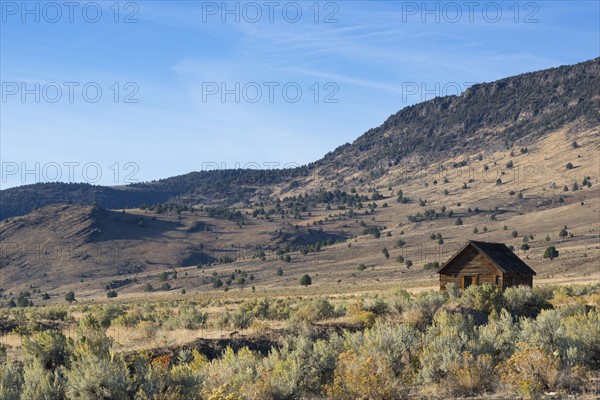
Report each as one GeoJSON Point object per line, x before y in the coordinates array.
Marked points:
{"type": "Point", "coordinates": [488, 116]}
{"type": "Point", "coordinates": [337, 237]}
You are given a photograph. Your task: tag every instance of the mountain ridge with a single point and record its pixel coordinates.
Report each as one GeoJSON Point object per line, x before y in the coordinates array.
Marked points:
{"type": "Point", "coordinates": [487, 116]}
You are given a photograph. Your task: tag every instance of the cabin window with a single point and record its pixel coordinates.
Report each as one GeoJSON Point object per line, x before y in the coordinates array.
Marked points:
{"type": "Point", "coordinates": [467, 281]}
{"type": "Point", "coordinates": [497, 280]}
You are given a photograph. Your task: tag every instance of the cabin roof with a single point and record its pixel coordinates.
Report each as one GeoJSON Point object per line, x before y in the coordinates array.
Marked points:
{"type": "Point", "coordinates": [500, 255]}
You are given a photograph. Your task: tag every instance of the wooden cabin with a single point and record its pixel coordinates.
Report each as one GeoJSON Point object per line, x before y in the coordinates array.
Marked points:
{"type": "Point", "coordinates": [482, 262]}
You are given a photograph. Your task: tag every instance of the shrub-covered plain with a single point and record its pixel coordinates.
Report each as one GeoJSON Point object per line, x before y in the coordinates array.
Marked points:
{"type": "Point", "coordinates": [392, 345]}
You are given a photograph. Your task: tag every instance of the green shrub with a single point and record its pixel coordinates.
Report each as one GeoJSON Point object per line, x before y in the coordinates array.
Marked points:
{"type": "Point", "coordinates": [99, 378]}
{"type": "Point", "coordinates": [315, 310]}
{"type": "Point", "coordinates": [378, 364]}
{"type": "Point", "coordinates": [108, 313]}
{"type": "Point", "coordinates": [40, 383]}
{"type": "Point", "coordinates": [306, 280]}
{"type": "Point", "coordinates": [70, 296]}
{"type": "Point", "coordinates": [420, 309]}
{"type": "Point", "coordinates": [283, 378]}
{"type": "Point", "coordinates": [241, 320]}
{"type": "Point", "coordinates": [485, 298]}
{"type": "Point", "coordinates": [431, 265]}
{"type": "Point", "coordinates": [90, 338]}
{"type": "Point", "coordinates": [377, 306]}
{"type": "Point", "coordinates": [188, 317]}
{"type": "Point", "coordinates": [11, 382]}
{"type": "Point", "coordinates": [497, 337]}
{"type": "Point", "coordinates": [522, 301]}
{"type": "Point", "coordinates": [542, 332]}
{"type": "Point", "coordinates": [185, 378]}
{"type": "Point", "coordinates": [444, 343]}
{"type": "Point", "coordinates": [579, 340]}
{"type": "Point", "coordinates": [50, 348]}
{"type": "Point", "coordinates": [232, 374]}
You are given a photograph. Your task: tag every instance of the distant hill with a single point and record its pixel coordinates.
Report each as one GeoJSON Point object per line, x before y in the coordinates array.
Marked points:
{"type": "Point", "coordinates": [486, 117]}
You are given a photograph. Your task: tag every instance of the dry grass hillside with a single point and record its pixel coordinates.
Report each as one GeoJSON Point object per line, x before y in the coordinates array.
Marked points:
{"type": "Point", "coordinates": [90, 250]}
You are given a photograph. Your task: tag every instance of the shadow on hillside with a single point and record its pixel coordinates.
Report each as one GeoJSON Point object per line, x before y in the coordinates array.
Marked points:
{"type": "Point", "coordinates": [113, 225]}
{"type": "Point", "coordinates": [307, 237]}
{"type": "Point", "coordinates": [197, 258]}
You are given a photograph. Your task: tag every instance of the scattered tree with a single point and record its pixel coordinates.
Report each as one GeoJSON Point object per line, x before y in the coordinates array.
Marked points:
{"type": "Point", "coordinates": [551, 252]}
{"type": "Point", "coordinates": [70, 296]}
{"type": "Point", "coordinates": [563, 233]}
{"type": "Point", "coordinates": [306, 280]}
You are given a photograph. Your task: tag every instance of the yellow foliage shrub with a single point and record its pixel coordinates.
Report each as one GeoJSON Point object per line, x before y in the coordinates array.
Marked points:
{"type": "Point", "coordinates": [472, 374]}
{"type": "Point", "coordinates": [530, 372]}
{"type": "Point", "coordinates": [359, 376]}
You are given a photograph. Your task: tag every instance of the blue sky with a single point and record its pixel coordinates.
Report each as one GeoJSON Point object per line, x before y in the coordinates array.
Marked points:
{"type": "Point", "coordinates": [355, 63]}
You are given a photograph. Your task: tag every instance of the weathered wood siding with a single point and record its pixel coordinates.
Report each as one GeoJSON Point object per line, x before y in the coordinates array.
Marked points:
{"type": "Point", "coordinates": [471, 263]}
